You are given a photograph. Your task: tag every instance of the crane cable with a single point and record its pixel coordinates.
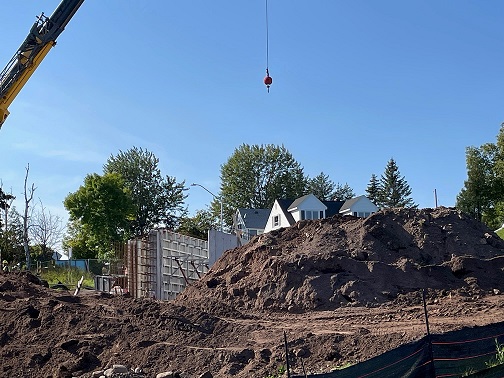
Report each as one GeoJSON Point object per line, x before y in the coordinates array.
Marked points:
{"type": "Point", "coordinates": [267, 80]}
{"type": "Point", "coordinates": [267, 38]}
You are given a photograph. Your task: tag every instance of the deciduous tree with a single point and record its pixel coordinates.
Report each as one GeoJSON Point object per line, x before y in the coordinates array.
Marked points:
{"type": "Point", "coordinates": [5, 204]}
{"type": "Point", "coordinates": [255, 176]}
{"type": "Point", "coordinates": [103, 208]}
{"type": "Point", "coordinates": [157, 200]}
{"type": "Point", "coordinates": [198, 225]}
{"type": "Point", "coordinates": [12, 238]}
{"type": "Point", "coordinates": [46, 230]}
{"type": "Point", "coordinates": [482, 196]}
{"type": "Point", "coordinates": [78, 242]}
{"type": "Point", "coordinates": [28, 197]}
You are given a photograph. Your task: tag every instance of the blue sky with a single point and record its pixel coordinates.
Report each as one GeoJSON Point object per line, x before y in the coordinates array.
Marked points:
{"type": "Point", "coordinates": [354, 84]}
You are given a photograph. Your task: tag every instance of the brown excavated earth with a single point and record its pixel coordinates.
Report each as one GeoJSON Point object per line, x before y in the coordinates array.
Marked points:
{"type": "Point", "coordinates": [343, 289]}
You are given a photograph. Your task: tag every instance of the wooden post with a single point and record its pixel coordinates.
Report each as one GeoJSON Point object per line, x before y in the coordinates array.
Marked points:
{"type": "Point", "coordinates": [287, 355]}
{"type": "Point", "coordinates": [431, 355]}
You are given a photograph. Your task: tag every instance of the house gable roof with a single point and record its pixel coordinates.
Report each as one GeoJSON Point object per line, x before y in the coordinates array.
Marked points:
{"type": "Point", "coordinates": [255, 218]}
{"type": "Point", "coordinates": [350, 202]}
{"type": "Point", "coordinates": [300, 200]}
{"type": "Point", "coordinates": [333, 207]}
{"type": "Point", "coordinates": [284, 206]}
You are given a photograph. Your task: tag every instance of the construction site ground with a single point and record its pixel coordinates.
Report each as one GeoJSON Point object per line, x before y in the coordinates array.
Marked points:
{"type": "Point", "coordinates": [342, 289]}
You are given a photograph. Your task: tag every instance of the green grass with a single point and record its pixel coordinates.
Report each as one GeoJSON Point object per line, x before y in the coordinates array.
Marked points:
{"type": "Point", "coordinates": [280, 372]}
{"type": "Point", "coordinates": [67, 276]}
{"type": "Point", "coordinates": [341, 367]}
{"type": "Point", "coordinates": [501, 233]}
{"type": "Point", "coordinates": [499, 355]}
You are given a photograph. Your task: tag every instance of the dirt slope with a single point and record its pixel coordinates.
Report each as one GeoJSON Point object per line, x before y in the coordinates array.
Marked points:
{"type": "Point", "coordinates": [342, 261]}
{"type": "Point", "coordinates": [343, 289]}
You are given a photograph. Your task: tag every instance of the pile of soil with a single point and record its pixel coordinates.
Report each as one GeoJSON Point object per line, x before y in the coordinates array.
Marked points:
{"type": "Point", "coordinates": [343, 289]}
{"type": "Point", "coordinates": [341, 261]}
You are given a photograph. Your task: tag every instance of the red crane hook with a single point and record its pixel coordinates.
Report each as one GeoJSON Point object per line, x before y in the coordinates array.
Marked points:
{"type": "Point", "coordinates": [268, 80]}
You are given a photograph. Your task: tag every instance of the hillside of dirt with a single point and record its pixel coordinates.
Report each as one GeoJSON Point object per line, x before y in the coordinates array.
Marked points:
{"type": "Point", "coordinates": [342, 261]}
{"type": "Point", "coordinates": [342, 289]}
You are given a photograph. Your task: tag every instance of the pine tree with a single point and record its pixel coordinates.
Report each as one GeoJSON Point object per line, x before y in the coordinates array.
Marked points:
{"type": "Point", "coordinates": [373, 189]}
{"type": "Point", "coordinates": [322, 187]}
{"type": "Point", "coordinates": [342, 192]}
{"type": "Point", "coordinates": [394, 190]}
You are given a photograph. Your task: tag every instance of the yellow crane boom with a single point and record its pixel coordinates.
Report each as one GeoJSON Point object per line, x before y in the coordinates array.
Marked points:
{"type": "Point", "coordinates": [40, 39]}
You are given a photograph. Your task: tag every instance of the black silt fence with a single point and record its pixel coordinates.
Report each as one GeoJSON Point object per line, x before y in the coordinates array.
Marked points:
{"type": "Point", "coordinates": [467, 352]}
{"type": "Point", "coordinates": [409, 360]}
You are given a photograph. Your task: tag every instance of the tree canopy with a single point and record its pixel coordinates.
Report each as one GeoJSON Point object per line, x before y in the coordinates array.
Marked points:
{"type": "Point", "coordinates": [46, 230]}
{"type": "Point", "coordinates": [373, 190]}
{"type": "Point", "coordinates": [104, 208]}
{"type": "Point", "coordinates": [11, 243]}
{"type": "Point", "coordinates": [5, 199]}
{"type": "Point", "coordinates": [392, 190]}
{"type": "Point", "coordinates": [156, 199]}
{"type": "Point", "coordinates": [342, 192]}
{"type": "Point", "coordinates": [198, 225]}
{"type": "Point", "coordinates": [255, 176]}
{"type": "Point", "coordinates": [322, 187]}
{"type": "Point", "coordinates": [482, 196]}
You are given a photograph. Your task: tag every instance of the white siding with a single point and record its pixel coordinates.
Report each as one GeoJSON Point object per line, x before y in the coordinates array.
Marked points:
{"type": "Point", "coordinates": [276, 213]}
{"type": "Point", "coordinates": [311, 203]}
{"type": "Point", "coordinates": [363, 207]}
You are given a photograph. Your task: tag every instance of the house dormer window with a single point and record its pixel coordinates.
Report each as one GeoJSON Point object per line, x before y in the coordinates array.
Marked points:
{"type": "Point", "coordinates": [276, 221]}
{"type": "Point", "coordinates": [311, 214]}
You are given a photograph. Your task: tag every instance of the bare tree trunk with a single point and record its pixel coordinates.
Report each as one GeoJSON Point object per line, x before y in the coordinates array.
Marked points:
{"type": "Point", "coordinates": [28, 196]}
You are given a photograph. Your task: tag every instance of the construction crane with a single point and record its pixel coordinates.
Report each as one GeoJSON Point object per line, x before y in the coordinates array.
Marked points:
{"type": "Point", "coordinates": [40, 39]}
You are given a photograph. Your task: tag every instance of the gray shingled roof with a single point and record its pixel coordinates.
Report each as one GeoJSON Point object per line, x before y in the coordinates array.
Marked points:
{"type": "Point", "coordinates": [348, 203]}
{"type": "Point", "coordinates": [255, 218]}
{"type": "Point", "coordinates": [284, 205]}
{"type": "Point", "coordinates": [333, 207]}
{"type": "Point", "coordinates": [297, 201]}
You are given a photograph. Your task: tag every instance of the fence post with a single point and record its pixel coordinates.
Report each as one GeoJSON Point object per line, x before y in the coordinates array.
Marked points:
{"type": "Point", "coordinates": [287, 355]}
{"type": "Point", "coordinates": [429, 341]}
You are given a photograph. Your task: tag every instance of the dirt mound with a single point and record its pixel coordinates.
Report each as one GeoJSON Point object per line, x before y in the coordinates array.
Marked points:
{"type": "Point", "coordinates": [329, 263]}
{"type": "Point", "coordinates": [343, 289]}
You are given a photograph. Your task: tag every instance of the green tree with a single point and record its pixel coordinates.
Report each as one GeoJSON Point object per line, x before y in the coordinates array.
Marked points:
{"type": "Point", "coordinates": [342, 192]}
{"type": "Point", "coordinates": [483, 190]}
{"type": "Point", "coordinates": [12, 238]}
{"type": "Point", "coordinates": [5, 200]}
{"type": "Point", "coordinates": [156, 200]}
{"type": "Point", "coordinates": [255, 176]}
{"type": "Point", "coordinates": [40, 252]}
{"type": "Point", "coordinates": [198, 225]}
{"type": "Point", "coordinates": [104, 208]}
{"type": "Point", "coordinates": [322, 187]}
{"type": "Point", "coordinates": [373, 189]}
{"type": "Point", "coordinates": [5, 203]}
{"type": "Point", "coordinates": [77, 239]}
{"type": "Point", "coordinates": [394, 189]}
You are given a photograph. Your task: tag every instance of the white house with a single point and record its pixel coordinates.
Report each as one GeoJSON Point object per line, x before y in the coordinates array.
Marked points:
{"type": "Point", "coordinates": [287, 212]}
{"type": "Point", "coordinates": [250, 222]}
{"type": "Point", "coordinates": [359, 207]}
